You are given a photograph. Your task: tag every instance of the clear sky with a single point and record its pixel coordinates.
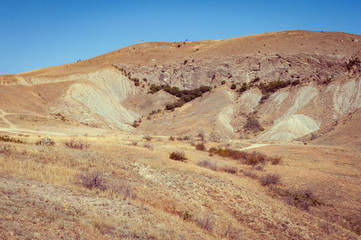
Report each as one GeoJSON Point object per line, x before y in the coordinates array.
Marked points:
{"type": "Point", "coordinates": [40, 33]}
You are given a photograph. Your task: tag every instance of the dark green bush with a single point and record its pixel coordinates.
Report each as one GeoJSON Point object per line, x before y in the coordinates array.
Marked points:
{"type": "Point", "coordinates": [184, 95]}
{"type": "Point", "coordinates": [243, 88]}
{"type": "Point", "coordinates": [273, 86]}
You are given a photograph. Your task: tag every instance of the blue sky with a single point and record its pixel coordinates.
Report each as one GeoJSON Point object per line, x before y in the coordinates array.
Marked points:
{"type": "Point", "coordinates": [40, 33]}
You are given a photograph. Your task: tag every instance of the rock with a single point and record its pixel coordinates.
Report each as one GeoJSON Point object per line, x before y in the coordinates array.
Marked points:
{"type": "Point", "coordinates": [46, 142]}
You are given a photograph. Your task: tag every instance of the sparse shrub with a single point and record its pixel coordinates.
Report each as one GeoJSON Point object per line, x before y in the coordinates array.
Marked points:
{"type": "Point", "coordinates": [186, 136]}
{"type": "Point", "coordinates": [273, 86]}
{"type": "Point", "coordinates": [258, 167]}
{"type": "Point", "coordinates": [205, 222]}
{"type": "Point", "coordinates": [325, 81]}
{"type": "Point", "coordinates": [256, 79]}
{"type": "Point", "coordinates": [233, 86]}
{"type": "Point", "coordinates": [352, 62]}
{"type": "Point", "coordinates": [201, 136]}
{"type": "Point", "coordinates": [187, 215]}
{"type": "Point", "coordinates": [200, 147]}
{"type": "Point", "coordinates": [147, 137]}
{"type": "Point", "coordinates": [171, 138]}
{"type": "Point", "coordinates": [243, 88]}
{"type": "Point", "coordinates": [92, 180]}
{"type": "Point", "coordinates": [252, 159]}
{"type": "Point", "coordinates": [255, 158]}
{"type": "Point", "coordinates": [250, 174]}
{"type": "Point", "coordinates": [223, 82]}
{"type": "Point", "coordinates": [6, 150]}
{"type": "Point", "coordinates": [6, 138]}
{"type": "Point", "coordinates": [178, 156]}
{"type": "Point", "coordinates": [269, 179]}
{"type": "Point", "coordinates": [214, 137]}
{"type": "Point", "coordinates": [154, 88]}
{"type": "Point", "coordinates": [275, 160]}
{"type": "Point", "coordinates": [230, 169]}
{"type": "Point", "coordinates": [296, 82]}
{"type": "Point", "coordinates": [134, 143]}
{"type": "Point", "coordinates": [184, 95]}
{"type": "Point", "coordinates": [232, 233]}
{"type": "Point", "coordinates": [253, 124]}
{"type": "Point", "coordinates": [123, 188]}
{"type": "Point", "coordinates": [77, 144]}
{"type": "Point", "coordinates": [147, 145]}
{"type": "Point", "coordinates": [208, 164]}
{"type": "Point", "coordinates": [264, 98]}
{"type": "Point", "coordinates": [299, 198]}
{"type": "Point", "coordinates": [45, 142]}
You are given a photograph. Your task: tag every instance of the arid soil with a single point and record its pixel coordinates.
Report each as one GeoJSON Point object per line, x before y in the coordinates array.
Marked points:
{"type": "Point", "coordinates": [271, 148]}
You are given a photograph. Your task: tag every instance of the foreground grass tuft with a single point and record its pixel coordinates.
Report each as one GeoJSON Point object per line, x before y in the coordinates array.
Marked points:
{"type": "Point", "coordinates": [77, 144]}
{"type": "Point", "coordinates": [208, 164]}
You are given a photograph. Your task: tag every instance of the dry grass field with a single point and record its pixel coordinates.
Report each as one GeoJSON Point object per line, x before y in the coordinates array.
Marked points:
{"type": "Point", "coordinates": [127, 187]}
{"type": "Point", "coordinates": [253, 137]}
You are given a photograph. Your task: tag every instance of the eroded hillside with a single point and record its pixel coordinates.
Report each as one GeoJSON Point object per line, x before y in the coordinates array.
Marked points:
{"type": "Point", "coordinates": [292, 83]}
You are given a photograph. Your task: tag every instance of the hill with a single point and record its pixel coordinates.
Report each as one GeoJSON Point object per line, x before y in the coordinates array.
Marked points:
{"type": "Point", "coordinates": [267, 126]}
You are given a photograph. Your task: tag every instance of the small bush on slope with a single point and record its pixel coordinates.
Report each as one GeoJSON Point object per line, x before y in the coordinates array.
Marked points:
{"type": "Point", "coordinates": [178, 156]}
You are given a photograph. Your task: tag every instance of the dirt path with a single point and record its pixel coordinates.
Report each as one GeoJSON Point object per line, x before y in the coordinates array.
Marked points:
{"type": "Point", "coordinates": [2, 116]}
{"type": "Point", "coordinates": [256, 145]}
{"type": "Point", "coordinates": [27, 131]}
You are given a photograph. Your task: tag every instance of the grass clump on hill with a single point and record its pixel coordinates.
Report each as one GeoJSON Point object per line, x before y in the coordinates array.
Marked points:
{"type": "Point", "coordinates": [208, 164]}
{"type": "Point", "coordinates": [269, 179]}
{"type": "Point", "coordinates": [77, 144]}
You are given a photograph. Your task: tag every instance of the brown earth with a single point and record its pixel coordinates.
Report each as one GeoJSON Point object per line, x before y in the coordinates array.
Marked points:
{"type": "Point", "coordinates": [313, 126]}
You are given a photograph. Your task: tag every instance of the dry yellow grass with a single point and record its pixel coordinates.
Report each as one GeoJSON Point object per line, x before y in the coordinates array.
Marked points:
{"type": "Point", "coordinates": [148, 195]}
